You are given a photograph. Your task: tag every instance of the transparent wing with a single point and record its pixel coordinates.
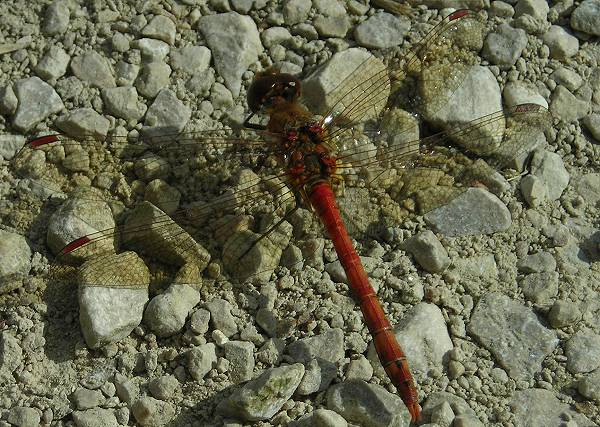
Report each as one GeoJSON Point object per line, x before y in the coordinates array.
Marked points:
{"type": "Point", "coordinates": [373, 88]}
{"type": "Point", "coordinates": [176, 202]}
{"type": "Point", "coordinates": [426, 173]}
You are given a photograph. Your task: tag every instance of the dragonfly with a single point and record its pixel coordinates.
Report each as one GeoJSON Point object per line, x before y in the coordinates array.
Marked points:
{"type": "Point", "coordinates": [287, 159]}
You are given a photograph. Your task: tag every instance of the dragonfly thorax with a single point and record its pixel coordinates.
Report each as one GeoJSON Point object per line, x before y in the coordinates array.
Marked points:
{"type": "Point", "coordinates": [308, 158]}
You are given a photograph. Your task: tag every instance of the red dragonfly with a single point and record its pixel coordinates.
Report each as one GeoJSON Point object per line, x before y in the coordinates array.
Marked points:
{"type": "Point", "coordinates": [296, 159]}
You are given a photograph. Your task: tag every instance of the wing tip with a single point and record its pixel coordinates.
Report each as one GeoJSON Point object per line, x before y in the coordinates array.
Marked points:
{"type": "Point", "coordinates": [43, 140]}
{"type": "Point", "coordinates": [459, 14]}
{"type": "Point", "coordinates": [77, 243]}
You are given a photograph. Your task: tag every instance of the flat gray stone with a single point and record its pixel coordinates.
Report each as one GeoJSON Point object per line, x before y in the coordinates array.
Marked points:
{"type": "Point", "coordinates": [567, 106]}
{"type": "Point", "coordinates": [53, 64]}
{"type": "Point", "coordinates": [235, 44]}
{"type": "Point", "coordinates": [586, 17]}
{"type": "Point", "coordinates": [262, 397]}
{"type": "Point", "coordinates": [367, 404]}
{"type": "Point", "coordinates": [123, 102]}
{"type": "Point", "coordinates": [328, 346]}
{"type": "Point", "coordinates": [504, 46]}
{"type": "Point", "coordinates": [166, 313]}
{"type": "Point", "coordinates": [428, 251]}
{"type": "Point", "coordinates": [513, 334]}
{"type": "Point", "coordinates": [30, 111]}
{"type": "Point", "coordinates": [166, 115]}
{"type": "Point", "coordinates": [583, 352]}
{"type": "Point", "coordinates": [539, 407]}
{"type": "Point", "coordinates": [381, 31]}
{"type": "Point", "coordinates": [423, 335]}
{"type": "Point", "coordinates": [241, 357]}
{"type": "Point", "coordinates": [95, 417]}
{"type": "Point", "coordinates": [476, 211]}
{"type": "Point", "coordinates": [550, 169]}
{"type": "Point", "coordinates": [113, 290]}
{"type": "Point", "coordinates": [200, 360]}
{"type": "Point", "coordinates": [15, 254]}
{"type": "Point", "coordinates": [83, 122]}
{"type": "Point", "coordinates": [562, 44]}
{"type": "Point", "coordinates": [94, 69]}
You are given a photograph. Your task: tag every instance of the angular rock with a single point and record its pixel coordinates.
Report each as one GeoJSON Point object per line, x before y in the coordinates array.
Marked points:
{"type": "Point", "coordinates": [583, 352]}
{"type": "Point", "coordinates": [235, 44]}
{"type": "Point", "coordinates": [423, 335]}
{"type": "Point", "coordinates": [113, 290]}
{"type": "Point", "coordinates": [241, 357]}
{"type": "Point", "coordinates": [191, 59]}
{"type": "Point", "coordinates": [504, 46]}
{"type": "Point", "coordinates": [162, 195]}
{"type": "Point", "coordinates": [53, 64]}
{"type": "Point", "coordinates": [164, 387]}
{"type": "Point", "coordinates": [592, 124]}
{"type": "Point", "coordinates": [457, 404]}
{"type": "Point", "coordinates": [245, 256]}
{"type": "Point", "coordinates": [332, 26]}
{"type": "Point", "coordinates": [550, 169]}
{"type": "Point", "coordinates": [152, 412]}
{"type": "Point", "coordinates": [367, 404]}
{"type": "Point", "coordinates": [537, 9]}
{"type": "Point", "coordinates": [30, 111]}
{"type": "Point", "coordinates": [56, 18]}
{"type": "Point", "coordinates": [318, 87]}
{"type": "Point", "coordinates": [161, 28]}
{"type": "Point", "coordinates": [262, 397]}
{"type": "Point", "coordinates": [562, 44]}
{"type": "Point", "coordinates": [513, 334]}
{"type": "Point", "coordinates": [15, 254]}
{"type": "Point", "coordinates": [166, 313]}
{"type": "Point", "coordinates": [94, 69]}
{"type": "Point", "coordinates": [478, 96]}
{"type": "Point", "coordinates": [328, 346]}
{"type": "Point", "coordinates": [123, 102]}
{"type": "Point", "coordinates": [567, 106]}
{"type": "Point", "coordinates": [166, 115]}
{"type": "Point", "coordinates": [589, 386]}
{"type": "Point", "coordinates": [317, 377]}
{"type": "Point", "coordinates": [200, 360]}
{"type": "Point", "coordinates": [296, 11]}
{"type": "Point", "coordinates": [428, 251]}
{"type": "Point", "coordinates": [563, 313]}
{"type": "Point", "coordinates": [541, 407]}
{"type": "Point", "coordinates": [518, 92]}
{"type": "Point", "coordinates": [77, 217]}
{"type": "Point", "coordinates": [567, 77]}
{"type": "Point", "coordinates": [540, 288]}
{"type": "Point", "coordinates": [381, 31]}
{"type": "Point", "coordinates": [8, 100]}
{"type": "Point", "coordinates": [153, 78]}
{"type": "Point", "coordinates": [533, 190]}
{"type": "Point", "coordinates": [221, 317]}
{"type": "Point", "coordinates": [95, 417]}
{"type": "Point", "coordinates": [475, 211]}
{"type": "Point", "coordinates": [83, 122]}
{"type": "Point", "coordinates": [586, 17]}
{"type": "Point", "coordinates": [322, 418]}
{"type": "Point", "coordinates": [537, 263]}
{"type": "Point", "coordinates": [87, 399]}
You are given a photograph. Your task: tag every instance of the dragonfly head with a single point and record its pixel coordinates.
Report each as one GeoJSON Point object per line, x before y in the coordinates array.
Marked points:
{"type": "Point", "coordinates": [271, 88]}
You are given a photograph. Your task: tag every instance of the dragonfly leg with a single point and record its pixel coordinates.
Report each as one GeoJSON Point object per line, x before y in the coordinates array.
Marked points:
{"type": "Point", "coordinates": [255, 126]}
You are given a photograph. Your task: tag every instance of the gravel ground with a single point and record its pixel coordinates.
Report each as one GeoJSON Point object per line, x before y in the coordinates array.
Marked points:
{"type": "Point", "coordinates": [494, 296]}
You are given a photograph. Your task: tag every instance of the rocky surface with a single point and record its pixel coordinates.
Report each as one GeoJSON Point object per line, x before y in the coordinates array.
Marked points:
{"type": "Point", "coordinates": [491, 290]}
